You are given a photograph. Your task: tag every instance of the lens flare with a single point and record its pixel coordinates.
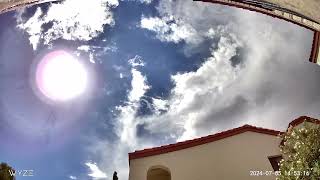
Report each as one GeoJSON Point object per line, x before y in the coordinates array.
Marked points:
{"type": "Point", "coordinates": [61, 77]}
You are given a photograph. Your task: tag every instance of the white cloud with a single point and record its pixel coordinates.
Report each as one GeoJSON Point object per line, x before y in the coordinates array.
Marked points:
{"type": "Point", "coordinates": [204, 86]}
{"type": "Point", "coordinates": [219, 96]}
{"type": "Point", "coordinates": [138, 86]}
{"type": "Point", "coordinates": [127, 115]}
{"type": "Point", "coordinates": [33, 28]}
{"type": "Point", "coordinates": [127, 122]}
{"type": "Point", "coordinates": [91, 58]}
{"type": "Point", "coordinates": [138, 83]}
{"type": "Point", "coordinates": [84, 48]}
{"type": "Point", "coordinates": [71, 20]}
{"type": "Point", "coordinates": [141, 1]}
{"type": "Point", "coordinates": [196, 93]}
{"type": "Point", "coordinates": [72, 177]}
{"type": "Point", "coordinates": [136, 61]}
{"type": "Point", "coordinates": [169, 29]}
{"type": "Point", "coordinates": [159, 105]}
{"type": "Point", "coordinates": [114, 155]}
{"type": "Point", "coordinates": [146, 1]}
{"type": "Point", "coordinates": [95, 172]}
{"type": "Point", "coordinates": [95, 51]}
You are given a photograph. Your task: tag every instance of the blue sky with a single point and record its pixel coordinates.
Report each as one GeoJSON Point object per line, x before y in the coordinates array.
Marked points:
{"type": "Point", "coordinates": [161, 71]}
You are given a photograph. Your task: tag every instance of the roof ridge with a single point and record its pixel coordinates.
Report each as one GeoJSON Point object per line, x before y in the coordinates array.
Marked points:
{"type": "Point", "coordinates": [302, 119]}
{"type": "Point", "coordinates": [200, 141]}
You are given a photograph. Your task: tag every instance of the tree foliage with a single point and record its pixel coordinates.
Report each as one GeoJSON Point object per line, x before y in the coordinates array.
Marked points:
{"type": "Point", "coordinates": [5, 172]}
{"type": "Point", "coordinates": [301, 153]}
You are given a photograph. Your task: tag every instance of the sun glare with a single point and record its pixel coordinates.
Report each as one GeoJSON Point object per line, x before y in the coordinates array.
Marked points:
{"type": "Point", "coordinates": [60, 76]}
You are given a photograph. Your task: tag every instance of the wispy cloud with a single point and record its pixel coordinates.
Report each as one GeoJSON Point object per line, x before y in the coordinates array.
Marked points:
{"type": "Point", "coordinates": [141, 1]}
{"type": "Point", "coordinates": [136, 61]}
{"type": "Point", "coordinates": [94, 52]}
{"type": "Point", "coordinates": [95, 172]}
{"type": "Point", "coordinates": [72, 177]}
{"type": "Point", "coordinates": [114, 154]}
{"type": "Point", "coordinates": [127, 116]}
{"type": "Point", "coordinates": [146, 1]}
{"type": "Point", "coordinates": [168, 29]}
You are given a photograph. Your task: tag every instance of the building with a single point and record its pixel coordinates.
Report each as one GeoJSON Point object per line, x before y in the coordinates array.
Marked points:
{"type": "Point", "coordinates": [234, 154]}
{"type": "Point", "coordinates": [10, 5]}
{"type": "Point", "coordinates": [303, 13]}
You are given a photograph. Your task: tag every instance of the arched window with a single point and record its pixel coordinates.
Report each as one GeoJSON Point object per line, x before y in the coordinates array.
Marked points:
{"type": "Point", "coordinates": [158, 173]}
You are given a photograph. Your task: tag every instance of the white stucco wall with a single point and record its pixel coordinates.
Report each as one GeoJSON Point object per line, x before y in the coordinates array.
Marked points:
{"type": "Point", "coordinates": [227, 159]}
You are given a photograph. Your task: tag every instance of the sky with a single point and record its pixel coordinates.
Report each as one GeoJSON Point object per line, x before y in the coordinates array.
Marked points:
{"type": "Point", "coordinates": [160, 71]}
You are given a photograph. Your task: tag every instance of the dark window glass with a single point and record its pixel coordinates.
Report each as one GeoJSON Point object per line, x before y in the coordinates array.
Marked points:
{"type": "Point", "coordinates": [275, 160]}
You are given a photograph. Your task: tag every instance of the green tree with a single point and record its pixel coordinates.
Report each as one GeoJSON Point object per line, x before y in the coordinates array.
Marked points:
{"type": "Point", "coordinates": [301, 153]}
{"type": "Point", "coordinates": [6, 172]}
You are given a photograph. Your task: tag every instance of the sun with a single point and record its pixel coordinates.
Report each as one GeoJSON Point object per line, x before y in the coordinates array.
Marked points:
{"type": "Point", "coordinates": [61, 77]}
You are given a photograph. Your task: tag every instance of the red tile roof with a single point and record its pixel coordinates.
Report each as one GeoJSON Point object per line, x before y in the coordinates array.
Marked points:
{"type": "Point", "coordinates": [315, 47]}
{"type": "Point", "coordinates": [298, 121]}
{"type": "Point", "coordinates": [214, 137]}
{"type": "Point", "coordinates": [303, 119]}
{"type": "Point", "coordinates": [200, 141]}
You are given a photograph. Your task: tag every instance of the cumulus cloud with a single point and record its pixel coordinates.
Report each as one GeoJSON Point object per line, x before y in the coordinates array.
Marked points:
{"type": "Point", "coordinates": [70, 20]}
{"type": "Point", "coordinates": [178, 22]}
{"type": "Point", "coordinates": [222, 95]}
{"type": "Point", "coordinates": [159, 105]}
{"type": "Point", "coordinates": [194, 92]}
{"type": "Point", "coordinates": [95, 172]}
